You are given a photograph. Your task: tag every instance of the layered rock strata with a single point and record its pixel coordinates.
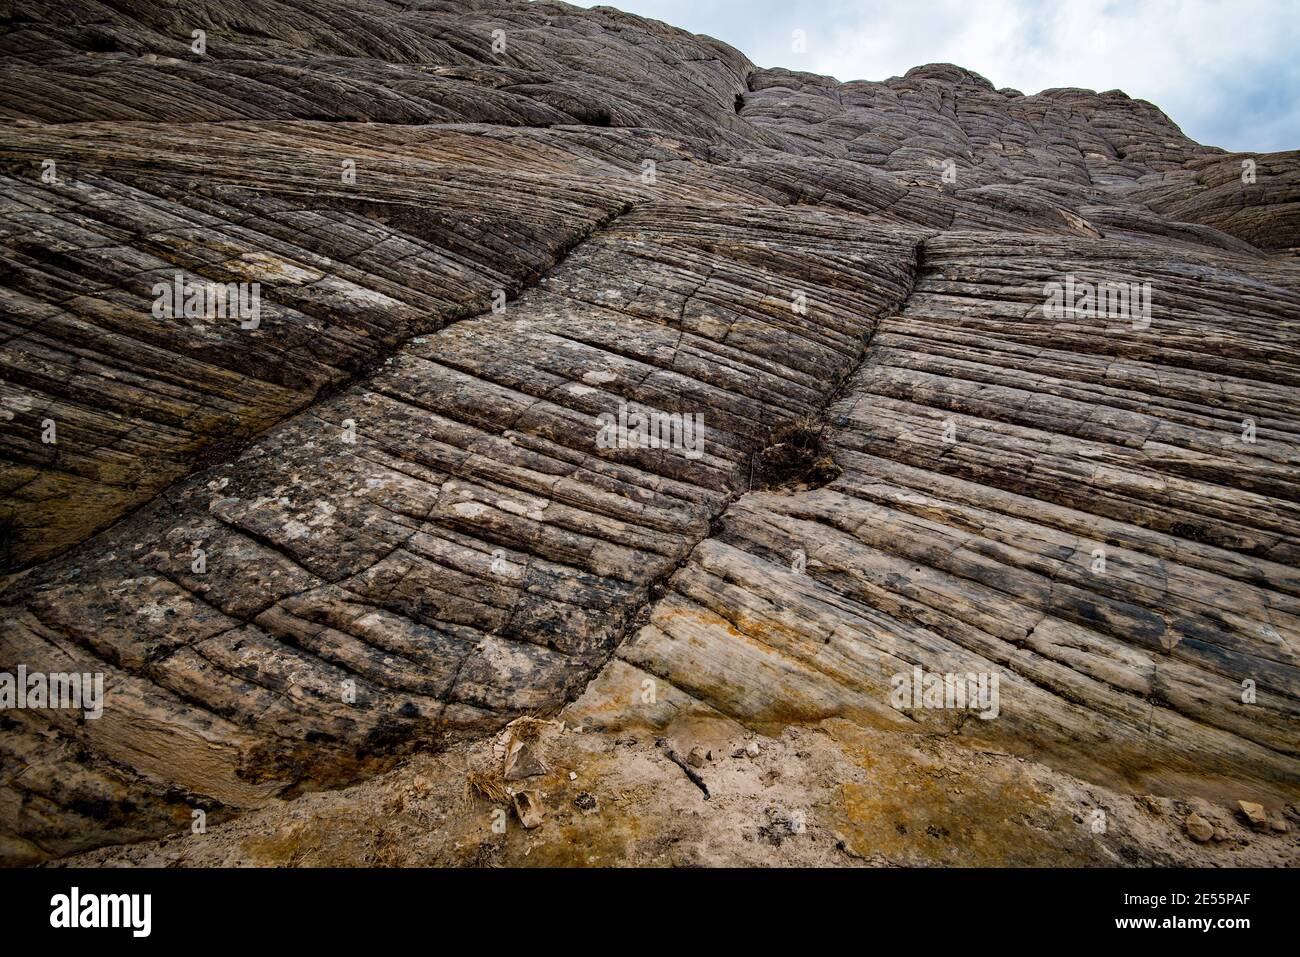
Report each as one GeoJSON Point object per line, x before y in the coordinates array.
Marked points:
{"type": "Point", "coordinates": [397, 510]}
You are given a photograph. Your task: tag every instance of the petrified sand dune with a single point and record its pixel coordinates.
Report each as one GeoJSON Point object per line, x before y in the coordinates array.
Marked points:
{"type": "Point", "coordinates": [409, 527]}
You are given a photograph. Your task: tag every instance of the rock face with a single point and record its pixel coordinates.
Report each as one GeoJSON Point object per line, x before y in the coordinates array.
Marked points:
{"type": "Point", "coordinates": [395, 509]}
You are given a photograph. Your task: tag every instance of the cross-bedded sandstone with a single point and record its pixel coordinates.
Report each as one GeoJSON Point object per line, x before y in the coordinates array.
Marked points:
{"type": "Point", "coordinates": [384, 518]}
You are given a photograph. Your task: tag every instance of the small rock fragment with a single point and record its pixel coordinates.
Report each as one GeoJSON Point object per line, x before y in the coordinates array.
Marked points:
{"type": "Point", "coordinates": [696, 758]}
{"type": "Point", "coordinates": [1254, 814]}
{"type": "Point", "coordinates": [1198, 828]}
{"type": "Point", "coordinates": [528, 808]}
{"type": "Point", "coordinates": [523, 749]}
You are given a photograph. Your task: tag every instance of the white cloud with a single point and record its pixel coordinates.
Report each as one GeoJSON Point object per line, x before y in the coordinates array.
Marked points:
{"type": "Point", "coordinates": [1227, 72]}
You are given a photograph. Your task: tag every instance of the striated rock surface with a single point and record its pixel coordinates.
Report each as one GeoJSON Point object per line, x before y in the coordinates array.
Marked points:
{"type": "Point", "coordinates": [387, 516]}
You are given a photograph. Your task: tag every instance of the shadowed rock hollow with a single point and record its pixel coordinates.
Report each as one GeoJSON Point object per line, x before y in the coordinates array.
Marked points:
{"type": "Point", "coordinates": [383, 520]}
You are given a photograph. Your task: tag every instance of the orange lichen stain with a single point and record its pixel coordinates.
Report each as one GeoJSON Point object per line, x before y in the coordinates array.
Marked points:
{"type": "Point", "coordinates": [911, 812]}
{"type": "Point", "coordinates": [725, 692]}
{"type": "Point", "coordinates": [280, 848]}
{"type": "Point", "coordinates": [272, 852]}
{"type": "Point", "coordinates": [607, 839]}
{"type": "Point", "coordinates": [330, 840]}
{"type": "Point", "coordinates": [774, 635]}
{"type": "Point", "coordinates": [695, 617]}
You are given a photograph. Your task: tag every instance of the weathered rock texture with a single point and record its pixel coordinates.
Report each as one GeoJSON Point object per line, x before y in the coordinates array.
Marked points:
{"type": "Point", "coordinates": [409, 532]}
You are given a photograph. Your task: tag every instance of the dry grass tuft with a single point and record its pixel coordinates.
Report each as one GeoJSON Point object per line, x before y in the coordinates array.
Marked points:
{"type": "Point", "coordinates": [486, 785]}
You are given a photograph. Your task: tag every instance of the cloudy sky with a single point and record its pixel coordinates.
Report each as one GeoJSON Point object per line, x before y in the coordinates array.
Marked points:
{"type": "Point", "coordinates": [1226, 71]}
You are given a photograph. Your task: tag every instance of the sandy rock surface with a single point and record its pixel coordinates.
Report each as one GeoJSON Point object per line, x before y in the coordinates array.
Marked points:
{"type": "Point", "coordinates": [324, 557]}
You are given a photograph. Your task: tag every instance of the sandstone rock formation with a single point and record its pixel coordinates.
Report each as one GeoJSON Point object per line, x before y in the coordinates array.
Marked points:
{"type": "Point", "coordinates": [384, 520]}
